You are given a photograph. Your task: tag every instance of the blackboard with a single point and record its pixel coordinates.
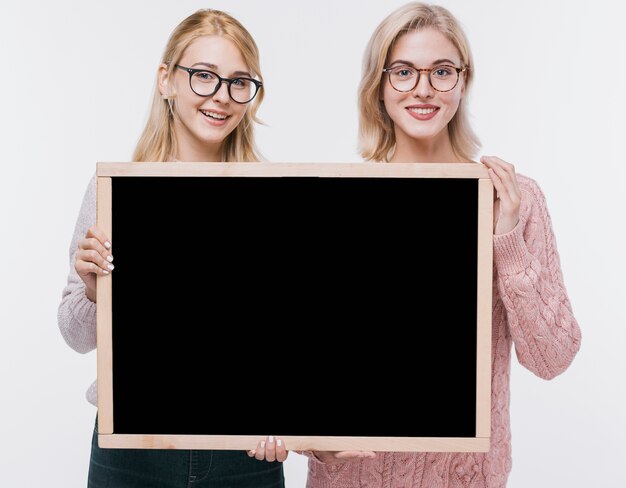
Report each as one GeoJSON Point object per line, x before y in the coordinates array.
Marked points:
{"type": "Point", "coordinates": [362, 290]}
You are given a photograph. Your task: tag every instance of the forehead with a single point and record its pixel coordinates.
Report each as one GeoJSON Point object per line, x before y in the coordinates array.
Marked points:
{"type": "Point", "coordinates": [215, 50]}
{"type": "Point", "coordinates": [423, 47]}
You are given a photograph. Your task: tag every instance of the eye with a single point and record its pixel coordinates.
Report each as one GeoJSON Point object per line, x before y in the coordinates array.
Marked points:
{"type": "Point", "coordinates": [204, 76]}
{"type": "Point", "coordinates": [403, 72]}
{"type": "Point", "coordinates": [241, 83]}
{"type": "Point", "coordinates": [442, 71]}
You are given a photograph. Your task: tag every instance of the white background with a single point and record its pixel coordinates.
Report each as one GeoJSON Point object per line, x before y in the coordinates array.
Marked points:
{"type": "Point", "coordinates": [77, 79]}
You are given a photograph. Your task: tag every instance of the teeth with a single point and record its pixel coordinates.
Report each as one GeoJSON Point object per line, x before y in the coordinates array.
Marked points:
{"type": "Point", "coordinates": [214, 115]}
{"type": "Point", "coordinates": [422, 111]}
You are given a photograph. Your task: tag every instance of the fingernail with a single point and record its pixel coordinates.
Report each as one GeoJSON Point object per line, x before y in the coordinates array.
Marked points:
{"type": "Point", "coordinates": [279, 442]}
{"type": "Point", "coordinates": [110, 259]}
{"type": "Point", "coordinates": [271, 439]}
{"type": "Point", "coordinates": [262, 444]}
{"type": "Point", "coordinates": [253, 452]}
{"type": "Point", "coordinates": [104, 271]}
{"type": "Point", "coordinates": [111, 267]}
{"type": "Point", "coordinates": [107, 244]}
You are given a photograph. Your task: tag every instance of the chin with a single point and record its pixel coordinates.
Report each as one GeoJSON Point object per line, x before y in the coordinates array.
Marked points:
{"type": "Point", "coordinates": [213, 137]}
{"type": "Point", "coordinates": [422, 134]}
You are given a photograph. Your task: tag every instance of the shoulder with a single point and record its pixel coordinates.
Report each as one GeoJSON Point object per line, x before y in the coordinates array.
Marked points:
{"type": "Point", "coordinates": [92, 186]}
{"type": "Point", "coordinates": [87, 214]}
{"type": "Point", "coordinates": [92, 191]}
{"type": "Point", "coordinates": [89, 200]}
{"type": "Point", "coordinates": [528, 184]}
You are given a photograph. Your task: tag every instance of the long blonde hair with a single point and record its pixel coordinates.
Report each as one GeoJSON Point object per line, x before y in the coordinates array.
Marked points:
{"type": "Point", "coordinates": [377, 140]}
{"type": "Point", "coordinates": [157, 142]}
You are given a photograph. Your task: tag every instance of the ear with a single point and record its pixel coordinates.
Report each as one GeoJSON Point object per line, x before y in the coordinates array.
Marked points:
{"type": "Point", "coordinates": [164, 86]}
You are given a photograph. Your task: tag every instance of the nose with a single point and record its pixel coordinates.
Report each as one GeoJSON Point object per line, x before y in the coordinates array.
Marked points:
{"type": "Point", "coordinates": [423, 89]}
{"type": "Point", "coordinates": [221, 95]}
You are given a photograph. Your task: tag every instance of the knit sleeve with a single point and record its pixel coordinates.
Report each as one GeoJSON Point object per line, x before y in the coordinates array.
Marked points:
{"type": "Point", "coordinates": [77, 314]}
{"type": "Point", "coordinates": [529, 278]}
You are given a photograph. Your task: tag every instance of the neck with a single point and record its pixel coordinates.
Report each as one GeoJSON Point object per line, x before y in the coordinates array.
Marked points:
{"type": "Point", "coordinates": [437, 149]}
{"type": "Point", "coordinates": [191, 150]}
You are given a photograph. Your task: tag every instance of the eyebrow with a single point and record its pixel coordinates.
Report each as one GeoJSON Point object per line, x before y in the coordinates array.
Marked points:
{"type": "Point", "coordinates": [436, 62]}
{"type": "Point", "coordinates": [214, 67]}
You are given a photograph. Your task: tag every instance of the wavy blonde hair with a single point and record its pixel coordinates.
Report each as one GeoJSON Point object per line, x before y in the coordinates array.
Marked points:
{"type": "Point", "coordinates": [377, 140]}
{"type": "Point", "coordinates": [157, 142]}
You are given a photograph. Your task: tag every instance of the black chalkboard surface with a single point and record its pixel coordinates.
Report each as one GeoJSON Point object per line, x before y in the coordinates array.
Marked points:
{"type": "Point", "coordinates": [361, 291]}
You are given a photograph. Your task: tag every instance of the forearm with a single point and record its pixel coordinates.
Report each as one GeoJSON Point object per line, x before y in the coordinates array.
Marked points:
{"type": "Point", "coordinates": [540, 318]}
{"type": "Point", "coordinates": [77, 319]}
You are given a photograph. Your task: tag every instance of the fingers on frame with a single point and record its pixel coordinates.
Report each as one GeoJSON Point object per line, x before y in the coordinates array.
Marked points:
{"type": "Point", "coordinates": [92, 243]}
{"type": "Point", "coordinates": [83, 268]}
{"type": "Point", "coordinates": [270, 449]}
{"type": "Point", "coordinates": [90, 261]}
{"type": "Point", "coordinates": [96, 232]}
{"type": "Point", "coordinates": [260, 451]}
{"type": "Point", "coordinates": [506, 171]}
{"type": "Point", "coordinates": [281, 451]}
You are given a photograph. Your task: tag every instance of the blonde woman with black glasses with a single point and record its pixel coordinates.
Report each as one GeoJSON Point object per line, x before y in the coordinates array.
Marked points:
{"type": "Point", "coordinates": [417, 73]}
{"type": "Point", "coordinates": [208, 90]}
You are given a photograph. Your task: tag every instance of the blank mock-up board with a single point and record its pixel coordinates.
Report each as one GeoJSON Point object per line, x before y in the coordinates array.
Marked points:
{"type": "Point", "coordinates": [339, 306]}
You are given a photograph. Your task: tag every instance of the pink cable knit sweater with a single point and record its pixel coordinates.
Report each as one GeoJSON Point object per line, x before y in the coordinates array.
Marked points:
{"type": "Point", "coordinates": [530, 310]}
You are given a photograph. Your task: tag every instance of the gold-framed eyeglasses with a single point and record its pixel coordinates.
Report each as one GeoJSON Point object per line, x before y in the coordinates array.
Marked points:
{"type": "Point", "coordinates": [442, 78]}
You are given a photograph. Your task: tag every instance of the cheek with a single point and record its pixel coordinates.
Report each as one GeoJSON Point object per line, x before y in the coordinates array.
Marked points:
{"type": "Point", "coordinates": [182, 90]}
{"type": "Point", "coordinates": [453, 101]}
{"type": "Point", "coordinates": [391, 98]}
{"type": "Point", "coordinates": [187, 101]}
{"type": "Point", "coordinates": [238, 113]}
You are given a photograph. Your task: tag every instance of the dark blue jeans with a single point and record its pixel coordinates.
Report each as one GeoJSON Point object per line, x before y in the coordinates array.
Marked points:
{"type": "Point", "coordinates": [160, 468]}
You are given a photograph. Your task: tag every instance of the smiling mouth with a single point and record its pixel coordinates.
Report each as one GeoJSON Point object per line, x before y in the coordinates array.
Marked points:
{"type": "Point", "coordinates": [423, 111]}
{"type": "Point", "coordinates": [214, 115]}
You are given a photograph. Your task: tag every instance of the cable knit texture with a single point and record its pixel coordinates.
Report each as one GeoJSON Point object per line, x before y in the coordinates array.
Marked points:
{"type": "Point", "coordinates": [531, 310]}
{"type": "Point", "coordinates": [77, 314]}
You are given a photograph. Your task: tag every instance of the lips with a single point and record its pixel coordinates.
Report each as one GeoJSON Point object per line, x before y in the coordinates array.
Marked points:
{"type": "Point", "coordinates": [422, 112]}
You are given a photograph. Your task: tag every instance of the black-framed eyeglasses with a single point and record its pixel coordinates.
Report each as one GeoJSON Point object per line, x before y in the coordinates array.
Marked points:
{"type": "Point", "coordinates": [205, 83]}
{"type": "Point", "coordinates": [442, 78]}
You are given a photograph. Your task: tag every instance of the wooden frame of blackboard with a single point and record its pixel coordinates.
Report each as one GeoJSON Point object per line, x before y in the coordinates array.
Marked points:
{"type": "Point", "coordinates": [107, 437]}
